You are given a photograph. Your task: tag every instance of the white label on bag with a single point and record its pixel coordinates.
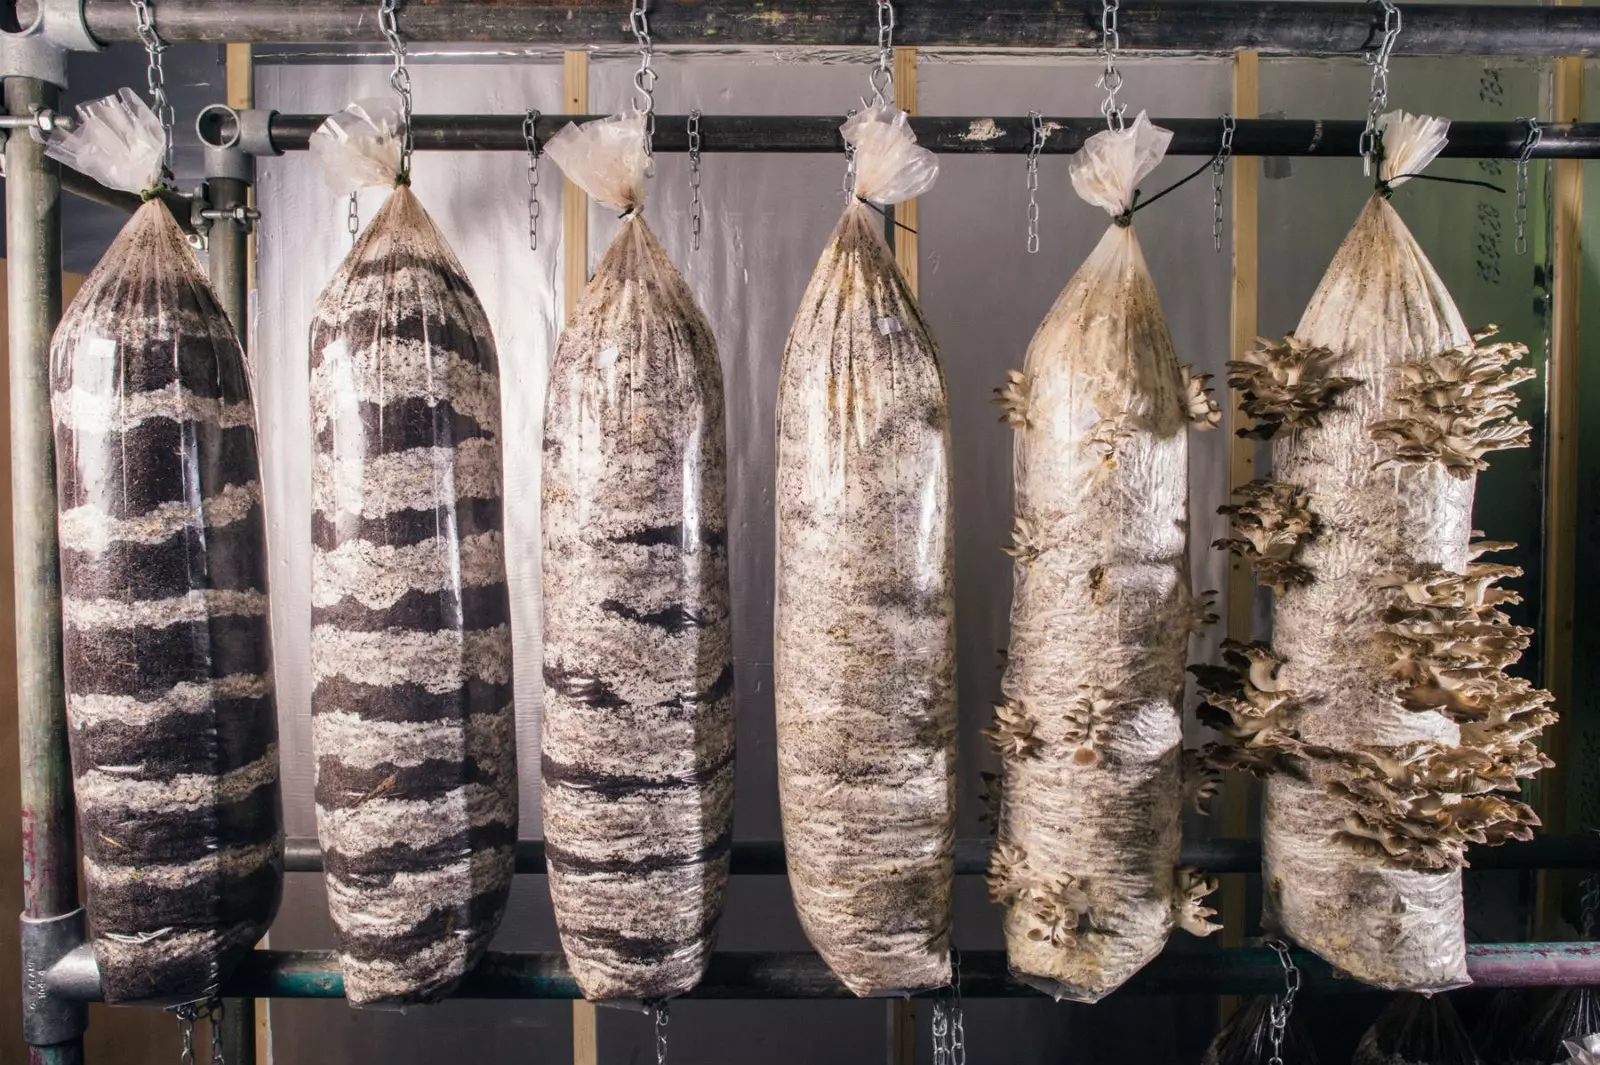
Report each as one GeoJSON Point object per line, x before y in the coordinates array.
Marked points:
{"type": "Point", "coordinates": [890, 325]}
{"type": "Point", "coordinates": [607, 357]}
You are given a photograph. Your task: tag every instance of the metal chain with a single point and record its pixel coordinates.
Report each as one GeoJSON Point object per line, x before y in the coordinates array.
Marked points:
{"type": "Point", "coordinates": [882, 77]}
{"type": "Point", "coordinates": [850, 162]}
{"type": "Point", "coordinates": [399, 78]}
{"type": "Point", "coordinates": [155, 76]}
{"type": "Point", "coordinates": [1034, 148]}
{"type": "Point", "coordinates": [941, 1033]}
{"type": "Point", "coordinates": [1529, 143]}
{"type": "Point", "coordinates": [644, 79]}
{"type": "Point", "coordinates": [215, 1013]}
{"type": "Point", "coordinates": [1111, 77]}
{"type": "Point", "coordinates": [696, 208]}
{"type": "Point", "coordinates": [186, 1015]}
{"type": "Point", "coordinates": [1278, 1012]}
{"type": "Point", "coordinates": [1219, 176]}
{"type": "Point", "coordinates": [530, 137]}
{"type": "Point", "coordinates": [660, 1011]}
{"type": "Point", "coordinates": [352, 217]}
{"type": "Point", "coordinates": [1379, 62]}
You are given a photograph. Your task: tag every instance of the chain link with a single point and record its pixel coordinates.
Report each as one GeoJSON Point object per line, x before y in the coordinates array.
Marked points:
{"type": "Point", "coordinates": [882, 77]}
{"type": "Point", "coordinates": [1529, 143]}
{"type": "Point", "coordinates": [1111, 77]}
{"type": "Point", "coordinates": [850, 162]}
{"type": "Point", "coordinates": [1379, 62]}
{"type": "Point", "coordinates": [186, 1015]}
{"type": "Point", "coordinates": [155, 75]}
{"type": "Point", "coordinates": [352, 217]}
{"type": "Point", "coordinates": [644, 79]}
{"type": "Point", "coordinates": [1278, 1012]}
{"type": "Point", "coordinates": [399, 78]}
{"type": "Point", "coordinates": [1219, 177]}
{"type": "Point", "coordinates": [941, 1033]}
{"type": "Point", "coordinates": [660, 1012]}
{"type": "Point", "coordinates": [1034, 148]}
{"type": "Point", "coordinates": [215, 1013]}
{"type": "Point", "coordinates": [530, 138]}
{"type": "Point", "coordinates": [696, 208]}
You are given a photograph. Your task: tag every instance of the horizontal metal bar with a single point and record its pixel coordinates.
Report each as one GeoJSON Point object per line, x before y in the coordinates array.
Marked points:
{"type": "Point", "coordinates": [1578, 851]}
{"type": "Point", "coordinates": [984, 974]}
{"type": "Point", "coordinates": [85, 187]}
{"type": "Point", "coordinates": [967, 136]}
{"type": "Point", "coordinates": [1194, 26]}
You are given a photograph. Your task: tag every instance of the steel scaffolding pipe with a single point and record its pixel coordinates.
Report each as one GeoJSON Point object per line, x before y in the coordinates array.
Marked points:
{"type": "Point", "coordinates": [1251, 970]}
{"type": "Point", "coordinates": [1195, 26]}
{"type": "Point", "coordinates": [1578, 851]}
{"type": "Point", "coordinates": [997, 135]}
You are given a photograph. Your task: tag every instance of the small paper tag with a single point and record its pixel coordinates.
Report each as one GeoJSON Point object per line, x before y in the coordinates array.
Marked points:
{"type": "Point", "coordinates": [607, 358]}
{"type": "Point", "coordinates": [889, 325]}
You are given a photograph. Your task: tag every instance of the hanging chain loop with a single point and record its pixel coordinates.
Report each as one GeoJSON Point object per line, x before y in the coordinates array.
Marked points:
{"type": "Point", "coordinates": [530, 139]}
{"type": "Point", "coordinates": [187, 1014]}
{"type": "Point", "coordinates": [1219, 177]}
{"type": "Point", "coordinates": [155, 75]}
{"type": "Point", "coordinates": [399, 80]}
{"type": "Point", "coordinates": [1111, 77]}
{"type": "Point", "coordinates": [696, 208]}
{"type": "Point", "coordinates": [1034, 148]}
{"type": "Point", "coordinates": [849, 161]}
{"type": "Point", "coordinates": [941, 1033]}
{"type": "Point", "coordinates": [644, 79]}
{"type": "Point", "coordinates": [352, 217]}
{"type": "Point", "coordinates": [1529, 143]}
{"type": "Point", "coordinates": [216, 1011]}
{"type": "Point", "coordinates": [1379, 62]}
{"type": "Point", "coordinates": [958, 1031]}
{"type": "Point", "coordinates": [1278, 1012]}
{"type": "Point", "coordinates": [882, 77]}
{"type": "Point", "coordinates": [660, 1012]}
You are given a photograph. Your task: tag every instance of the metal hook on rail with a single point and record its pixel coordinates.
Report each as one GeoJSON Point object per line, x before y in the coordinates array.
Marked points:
{"type": "Point", "coordinates": [1379, 62]}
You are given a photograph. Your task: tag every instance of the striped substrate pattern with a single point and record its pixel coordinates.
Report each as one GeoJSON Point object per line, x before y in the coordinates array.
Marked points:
{"type": "Point", "coordinates": [638, 738]}
{"type": "Point", "coordinates": [413, 727]}
{"type": "Point", "coordinates": [164, 603]}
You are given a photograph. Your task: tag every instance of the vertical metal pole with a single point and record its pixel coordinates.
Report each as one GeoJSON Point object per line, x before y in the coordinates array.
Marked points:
{"type": "Point", "coordinates": [33, 280]}
{"type": "Point", "coordinates": [228, 243]}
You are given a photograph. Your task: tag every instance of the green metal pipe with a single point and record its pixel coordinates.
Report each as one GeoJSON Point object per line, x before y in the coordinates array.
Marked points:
{"type": "Point", "coordinates": [33, 280]}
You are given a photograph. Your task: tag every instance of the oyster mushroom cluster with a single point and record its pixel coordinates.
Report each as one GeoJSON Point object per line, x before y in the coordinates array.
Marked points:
{"type": "Point", "coordinates": [1457, 406]}
{"type": "Point", "coordinates": [1271, 523]}
{"type": "Point", "coordinates": [1286, 385]}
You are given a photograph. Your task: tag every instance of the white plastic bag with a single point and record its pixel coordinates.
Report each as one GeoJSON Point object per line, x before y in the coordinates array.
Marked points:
{"type": "Point", "coordinates": [360, 147]}
{"type": "Point", "coordinates": [117, 140]}
{"type": "Point", "coordinates": [1110, 165]}
{"type": "Point", "coordinates": [890, 167]}
{"type": "Point", "coordinates": [1410, 143]}
{"type": "Point", "coordinates": [605, 158]}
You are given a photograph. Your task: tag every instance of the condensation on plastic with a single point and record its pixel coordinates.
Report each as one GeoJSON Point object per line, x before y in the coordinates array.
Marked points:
{"type": "Point", "coordinates": [1110, 165]}
{"type": "Point", "coordinates": [412, 726]}
{"type": "Point", "coordinates": [1417, 1030]}
{"type": "Point", "coordinates": [165, 630]}
{"type": "Point", "coordinates": [605, 158]}
{"type": "Point", "coordinates": [1410, 143]}
{"type": "Point", "coordinates": [890, 167]}
{"type": "Point", "coordinates": [864, 643]}
{"type": "Point", "coordinates": [1571, 1016]}
{"type": "Point", "coordinates": [1584, 1051]}
{"type": "Point", "coordinates": [1099, 615]}
{"type": "Point", "coordinates": [638, 732]}
{"type": "Point", "coordinates": [360, 146]}
{"type": "Point", "coordinates": [1380, 304]}
{"type": "Point", "coordinates": [117, 140]}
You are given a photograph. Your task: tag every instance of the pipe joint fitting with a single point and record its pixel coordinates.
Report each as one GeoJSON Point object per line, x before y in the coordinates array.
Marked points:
{"type": "Point", "coordinates": [48, 1019]}
{"type": "Point", "coordinates": [40, 50]}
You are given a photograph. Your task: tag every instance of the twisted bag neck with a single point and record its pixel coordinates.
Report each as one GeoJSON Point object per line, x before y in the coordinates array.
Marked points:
{"type": "Point", "coordinates": [117, 140]}
{"type": "Point", "coordinates": [362, 147]}
{"type": "Point", "coordinates": [607, 159]}
{"type": "Point", "coordinates": [1107, 170]}
{"type": "Point", "coordinates": [890, 167]}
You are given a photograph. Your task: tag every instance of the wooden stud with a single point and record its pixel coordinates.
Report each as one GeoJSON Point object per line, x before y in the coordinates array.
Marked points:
{"type": "Point", "coordinates": [906, 251]}
{"type": "Point", "coordinates": [575, 203]}
{"type": "Point", "coordinates": [1238, 790]}
{"type": "Point", "coordinates": [1561, 475]}
{"type": "Point", "coordinates": [242, 96]}
{"type": "Point", "coordinates": [575, 276]}
{"type": "Point", "coordinates": [902, 1032]}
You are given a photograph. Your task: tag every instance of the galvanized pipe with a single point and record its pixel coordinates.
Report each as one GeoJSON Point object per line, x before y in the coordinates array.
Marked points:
{"type": "Point", "coordinates": [1196, 26]}
{"type": "Point", "coordinates": [1253, 970]}
{"type": "Point", "coordinates": [983, 135]}
{"type": "Point", "coordinates": [1577, 851]}
{"type": "Point", "coordinates": [228, 243]}
{"type": "Point", "coordinates": [33, 288]}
